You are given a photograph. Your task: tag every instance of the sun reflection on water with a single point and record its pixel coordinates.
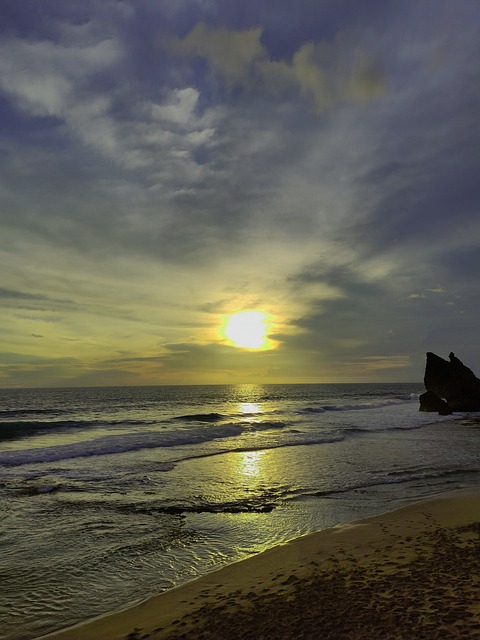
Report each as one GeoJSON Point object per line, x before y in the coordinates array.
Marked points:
{"type": "Point", "coordinates": [251, 463]}
{"type": "Point", "coordinates": [249, 407]}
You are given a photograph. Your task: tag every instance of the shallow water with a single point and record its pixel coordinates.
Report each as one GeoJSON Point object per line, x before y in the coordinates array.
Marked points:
{"type": "Point", "coordinates": [110, 495]}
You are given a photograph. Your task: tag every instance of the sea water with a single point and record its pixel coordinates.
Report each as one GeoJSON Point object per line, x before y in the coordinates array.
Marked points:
{"type": "Point", "coordinates": [110, 495]}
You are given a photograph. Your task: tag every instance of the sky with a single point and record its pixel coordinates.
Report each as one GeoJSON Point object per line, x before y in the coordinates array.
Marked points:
{"type": "Point", "coordinates": [167, 164]}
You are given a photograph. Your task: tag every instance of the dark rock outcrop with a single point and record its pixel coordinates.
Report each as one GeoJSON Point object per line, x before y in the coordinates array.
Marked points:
{"type": "Point", "coordinates": [451, 386]}
{"type": "Point", "coordinates": [430, 402]}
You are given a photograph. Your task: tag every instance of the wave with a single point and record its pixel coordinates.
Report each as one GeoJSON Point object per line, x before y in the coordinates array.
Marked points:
{"type": "Point", "coordinates": [347, 431]}
{"type": "Point", "coordinates": [129, 442]}
{"type": "Point", "coordinates": [393, 477]}
{"type": "Point", "coordinates": [201, 417]}
{"type": "Point", "coordinates": [10, 430]}
{"type": "Point", "coordinates": [19, 413]}
{"type": "Point", "coordinates": [47, 424]}
{"type": "Point", "coordinates": [264, 425]}
{"type": "Point", "coordinates": [262, 446]}
{"type": "Point", "coordinates": [118, 444]}
{"type": "Point", "coordinates": [355, 407]}
{"type": "Point", "coordinates": [427, 472]}
{"type": "Point", "coordinates": [21, 423]}
{"type": "Point", "coordinates": [115, 444]}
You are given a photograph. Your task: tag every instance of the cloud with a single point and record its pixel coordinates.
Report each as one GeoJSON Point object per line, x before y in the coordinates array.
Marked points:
{"type": "Point", "coordinates": [197, 161]}
{"type": "Point", "coordinates": [16, 359]}
{"type": "Point", "coordinates": [165, 163]}
{"type": "Point", "coordinates": [368, 78]}
{"type": "Point", "coordinates": [62, 79]}
{"type": "Point", "coordinates": [180, 107]}
{"type": "Point", "coordinates": [20, 295]}
{"type": "Point", "coordinates": [325, 73]}
{"type": "Point", "coordinates": [376, 363]}
{"type": "Point", "coordinates": [437, 289]}
{"type": "Point", "coordinates": [214, 363]}
{"type": "Point", "coordinates": [230, 53]}
{"type": "Point", "coordinates": [44, 77]}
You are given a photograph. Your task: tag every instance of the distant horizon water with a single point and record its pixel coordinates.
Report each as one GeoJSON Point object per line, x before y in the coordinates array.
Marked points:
{"type": "Point", "coordinates": [208, 384]}
{"type": "Point", "coordinates": [111, 494]}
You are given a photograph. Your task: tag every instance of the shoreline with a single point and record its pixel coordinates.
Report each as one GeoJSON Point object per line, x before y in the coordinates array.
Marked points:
{"type": "Point", "coordinates": [409, 573]}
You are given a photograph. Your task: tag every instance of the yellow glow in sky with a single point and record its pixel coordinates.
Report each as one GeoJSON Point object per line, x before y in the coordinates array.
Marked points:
{"type": "Point", "coordinates": [247, 330]}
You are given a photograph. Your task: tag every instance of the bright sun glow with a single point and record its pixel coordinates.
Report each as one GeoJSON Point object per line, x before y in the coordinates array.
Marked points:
{"type": "Point", "coordinates": [247, 329]}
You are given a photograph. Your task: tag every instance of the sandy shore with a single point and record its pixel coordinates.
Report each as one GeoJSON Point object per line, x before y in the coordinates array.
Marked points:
{"type": "Point", "coordinates": [410, 574]}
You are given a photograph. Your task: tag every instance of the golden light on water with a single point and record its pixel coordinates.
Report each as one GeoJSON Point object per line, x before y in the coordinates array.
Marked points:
{"type": "Point", "coordinates": [247, 330]}
{"type": "Point", "coordinates": [251, 465]}
{"type": "Point", "coordinates": [249, 408]}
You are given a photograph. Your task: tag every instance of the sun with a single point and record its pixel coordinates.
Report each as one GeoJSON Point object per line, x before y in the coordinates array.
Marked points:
{"type": "Point", "coordinates": [247, 330]}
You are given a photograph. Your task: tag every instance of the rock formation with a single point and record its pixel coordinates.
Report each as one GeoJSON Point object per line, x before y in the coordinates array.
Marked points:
{"type": "Point", "coordinates": [430, 402]}
{"type": "Point", "coordinates": [451, 386]}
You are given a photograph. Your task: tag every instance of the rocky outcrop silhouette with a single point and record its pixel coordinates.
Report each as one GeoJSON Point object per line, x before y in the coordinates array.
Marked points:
{"type": "Point", "coordinates": [431, 402]}
{"type": "Point", "coordinates": [451, 386]}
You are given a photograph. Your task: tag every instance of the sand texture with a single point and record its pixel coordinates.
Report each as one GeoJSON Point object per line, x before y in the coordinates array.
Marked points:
{"type": "Point", "coordinates": [410, 574]}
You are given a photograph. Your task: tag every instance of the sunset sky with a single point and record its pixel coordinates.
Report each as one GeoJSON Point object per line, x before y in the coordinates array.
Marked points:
{"type": "Point", "coordinates": [168, 163]}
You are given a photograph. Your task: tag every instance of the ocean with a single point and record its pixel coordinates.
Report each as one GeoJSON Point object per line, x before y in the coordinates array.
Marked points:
{"type": "Point", "coordinates": [111, 495]}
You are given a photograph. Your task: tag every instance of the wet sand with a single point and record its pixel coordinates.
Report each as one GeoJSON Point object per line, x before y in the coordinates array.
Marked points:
{"type": "Point", "coordinates": [410, 574]}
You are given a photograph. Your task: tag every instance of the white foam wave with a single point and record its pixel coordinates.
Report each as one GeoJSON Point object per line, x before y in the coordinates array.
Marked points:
{"type": "Point", "coordinates": [118, 444]}
{"type": "Point", "coordinates": [355, 406]}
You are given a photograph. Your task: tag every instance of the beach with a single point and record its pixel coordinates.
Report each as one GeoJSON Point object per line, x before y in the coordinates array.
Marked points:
{"type": "Point", "coordinates": [112, 497]}
{"type": "Point", "coordinates": [408, 574]}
